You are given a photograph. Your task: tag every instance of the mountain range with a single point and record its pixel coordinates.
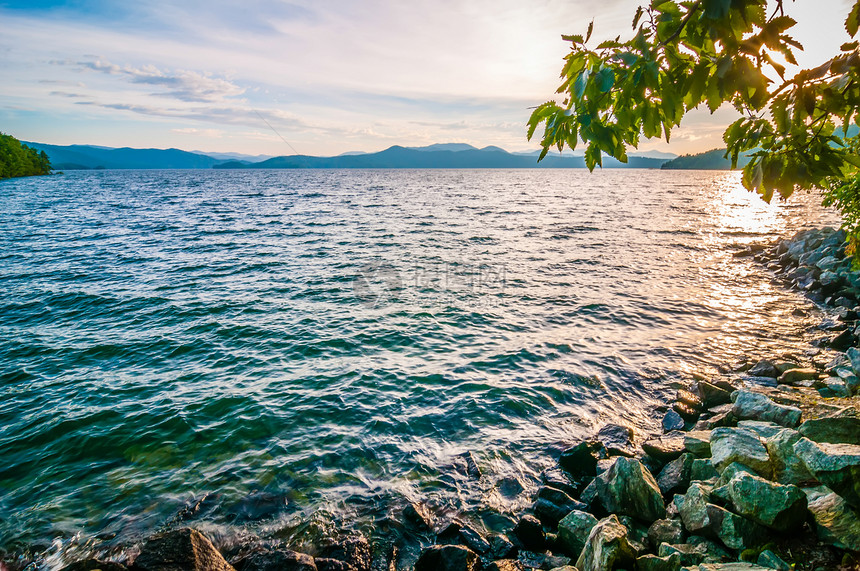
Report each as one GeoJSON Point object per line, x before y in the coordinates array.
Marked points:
{"type": "Point", "coordinates": [442, 155]}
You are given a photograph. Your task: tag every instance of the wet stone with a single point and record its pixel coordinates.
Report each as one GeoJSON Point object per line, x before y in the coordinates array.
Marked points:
{"type": "Point", "coordinates": [181, 550]}
{"type": "Point", "coordinates": [94, 565]}
{"type": "Point", "coordinates": [665, 448]}
{"type": "Point", "coordinates": [418, 515]}
{"type": "Point", "coordinates": [580, 460]}
{"type": "Point", "coordinates": [672, 421]}
{"type": "Point", "coordinates": [530, 533]}
{"type": "Point", "coordinates": [354, 550]}
{"type": "Point", "coordinates": [447, 558]}
{"type": "Point", "coordinates": [617, 440]}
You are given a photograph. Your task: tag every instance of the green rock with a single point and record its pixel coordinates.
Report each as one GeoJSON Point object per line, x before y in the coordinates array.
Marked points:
{"type": "Point", "coordinates": [765, 429]}
{"type": "Point", "coordinates": [736, 532]}
{"type": "Point", "coordinates": [837, 466]}
{"type": "Point", "coordinates": [749, 405]}
{"type": "Point", "coordinates": [573, 531]}
{"type": "Point", "coordinates": [606, 547]}
{"type": "Point", "coordinates": [627, 488]}
{"type": "Point", "coordinates": [654, 563]}
{"type": "Point", "coordinates": [675, 476]}
{"type": "Point", "coordinates": [694, 508]}
{"type": "Point", "coordinates": [665, 531]}
{"type": "Point", "coordinates": [698, 443]}
{"type": "Point", "coordinates": [739, 445]}
{"type": "Point", "coordinates": [714, 553]}
{"type": "Point", "coordinates": [787, 466]}
{"type": "Point", "coordinates": [735, 566]}
{"type": "Point", "coordinates": [836, 522]}
{"type": "Point", "coordinates": [833, 430]}
{"type": "Point", "coordinates": [731, 470]}
{"type": "Point", "coordinates": [779, 507]}
{"type": "Point", "coordinates": [771, 560]}
{"type": "Point", "coordinates": [689, 554]}
{"type": "Point", "coordinates": [702, 469]}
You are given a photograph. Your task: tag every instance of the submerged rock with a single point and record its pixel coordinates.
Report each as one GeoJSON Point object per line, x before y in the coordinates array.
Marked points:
{"type": "Point", "coordinates": [447, 558]}
{"type": "Point", "coordinates": [580, 460]}
{"type": "Point", "coordinates": [606, 548]}
{"type": "Point", "coordinates": [183, 549]}
{"type": "Point", "coordinates": [418, 515]}
{"type": "Point", "coordinates": [627, 488]}
{"type": "Point", "coordinates": [277, 560]}
{"type": "Point", "coordinates": [94, 565]}
{"type": "Point", "coordinates": [617, 440]}
{"type": "Point", "coordinates": [354, 550]}
{"type": "Point", "coordinates": [756, 406]}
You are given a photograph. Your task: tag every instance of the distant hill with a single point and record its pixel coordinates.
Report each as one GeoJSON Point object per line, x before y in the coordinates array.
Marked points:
{"type": "Point", "coordinates": [93, 157]}
{"type": "Point", "coordinates": [444, 155]}
{"type": "Point", "coordinates": [402, 157]}
{"type": "Point", "coordinates": [709, 160]}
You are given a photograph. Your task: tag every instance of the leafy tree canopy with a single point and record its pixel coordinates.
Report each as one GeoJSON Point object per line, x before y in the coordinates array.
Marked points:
{"type": "Point", "coordinates": [684, 54]}
{"type": "Point", "coordinates": [17, 159]}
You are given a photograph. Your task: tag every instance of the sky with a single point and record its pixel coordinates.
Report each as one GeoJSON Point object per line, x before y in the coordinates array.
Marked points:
{"type": "Point", "coordinates": [317, 77]}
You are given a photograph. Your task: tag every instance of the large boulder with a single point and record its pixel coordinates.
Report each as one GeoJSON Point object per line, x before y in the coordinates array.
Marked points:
{"type": "Point", "coordinates": [694, 508]}
{"type": "Point", "coordinates": [764, 368]}
{"type": "Point", "coordinates": [836, 522]}
{"type": "Point", "coordinates": [606, 548]}
{"type": "Point", "coordinates": [553, 504]}
{"type": "Point", "coordinates": [447, 558]}
{"type": "Point", "coordinates": [617, 440]}
{"type": "Point", "coordinates": [736, 532]}
{"type": "Point", "coordinates": [573, 531]}
{"type": "Point", "coordinates": [651, 562]}
{"type": "Point", "coordinates": [354, 550]}
{"type": "Point", "coordinates": [183, 549]}
{"type": "Point", "coordinates": [787, 467]}
{"type": "Point", "coordinates": [665, 531]}
{"type": "Point", "coordinates": [628, 488]}
{"type": "Point", "coordinates": [675, 476]}
{"type": "Point", "coordinates": [776, 506]}
{"type": "Point", "coordinates": [531, 534]}
{"type": "Point", "coordinates": [835, 465]}
{"type": "Point", "coordinates": [739, 445]}
{"type": "Point", "coordinates": [461, 533]}
{"type": "Point", "coordinates": [833, 430]}
{"type": "Point", "coordinates": [698, 443]}
{"type": "Point", "coordinates": [580, 460]}
{"type": "Point", "coordinates": [277, 560]}
{"type": "Point", "coordinates": [664, 448]}
{"type": "Point", "coordinates": [749, 405]}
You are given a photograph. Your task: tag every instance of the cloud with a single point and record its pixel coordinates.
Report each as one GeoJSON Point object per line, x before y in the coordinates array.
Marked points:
{"type": "Point", "coordinates": [189, 86]}
{"type": "Point", "coordinates": [216, 133]}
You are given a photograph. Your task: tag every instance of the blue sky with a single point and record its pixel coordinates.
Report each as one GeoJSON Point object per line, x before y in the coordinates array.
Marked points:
{"type": "Point", "coordinates": [328, 75]}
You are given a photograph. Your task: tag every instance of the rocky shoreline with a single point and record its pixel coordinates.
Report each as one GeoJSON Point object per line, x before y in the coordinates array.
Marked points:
{"type": "Point", "coordinates": [757, 469]}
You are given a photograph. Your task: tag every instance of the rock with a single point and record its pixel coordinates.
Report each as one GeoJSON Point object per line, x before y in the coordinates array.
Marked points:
{"type": "Point", "coordinates": [689, 554]}
{"type": "Point", "coordinates": [853, 355]}
{"type": "Point", "coordinates": [837, 466]}
{"type": "Point", "coordinates": [510, 487]}
{"type": "Point", "coordinates": [637, 534]}
{"type": "Point", "coordinates": [277, 560]}
{"type": "Point", "coordinates": [675, 476]}
{"type": "Point", "coordinates": [763, 428]}
{"type": "Point", "coordinates": [713, 395]}
{"type": "Point", "coordinates": [687, 412]}
{"type": "Point", "coordinates": [714, 553]}
{"type": "Point", "coordinates": [664, 448]}
{"type": "Point", "coordinates": [698, 443]}
{"type": "Point", "coordinates": [779, 507]}
{"type": "Point", "coordinates": [793, 376]}
{"type": "Point", "coordinates": [693, 508]}
{"type": "Point", "coordinates": [835, 521]}
{"type": "Point", "coordinates": [689, 398]}
{"type": "Point", "coordinates": [764, 368]}
{"type": "Point", "coordinates": [755, 406]}
{"type": "Point", "coordinates": [530, 532]}
{"type": "Point", "coordinates": [418, 515]}
{"type": "Point", "coordinates": [573, 531]}
{"type": "Point", "coordinates": [553, 561]}
{"type": "Point", "coordinates": [738, 445]}
{"type": "Point", "coordinates": [447, 558]}
{"type": "Point", "coordinates": [722, 418]}
{"type": "Point", "coordinates": [672, 421]}
{"type": "Point", "coordinates": [325, 564]}
{"type": "Point", "coordinates": [787, 466]}
{"type": "Point", "coordinates": [842, 341]}
{"type": "Point", "coordinates": [617, 440]}
{"type": "Point", "coordinates": [466, 464]}
{"type": "Point", "coordinates": [771, 560]}
{"type": "Point", "coordinates": [833, 430]}
{"type": "Point", "coordinates": [736, 532]}
{"type": "Point", "coordinates": [504, 565]}
{"type": "Point", "coordinates": [354, 550]}
{"type": "Point", "coordinates": [580, 460]}
{"type": "Point", "coordinates": [94, 565]}
{"type": "Point", "coordinates": [559, 480]}
{"type": "Point", "coordinates": [702, 469]}
{"type": "Point", "coordinates": [501, 547]}
{"type": "Point", "coordinates": [654, 563]}
{"type": "Point", "coordinates": [606, 547]}
{"type": "Point", "coordinates": [735, 566]}
{"type": "Point", "coordinates": [834, 387]}
{"type": "Point", "coordinates": [553, 504]}
{"type": "Point", "coordinates": [182, 550]}
{"type": "Point", "coordinates": [627, 488]}
{"type": "Point", "coordinates": [665, 531]}
{"type": "Point", "coordinates": [460, 533]}
{"type": "Point", "coordinates": [590, 496]}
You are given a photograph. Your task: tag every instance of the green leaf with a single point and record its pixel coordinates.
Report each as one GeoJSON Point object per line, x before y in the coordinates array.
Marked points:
{"type": "Point", "coordinates": [576, 39]}
{"type": "Point", "coordinates": [637, 16]}
{"type": "Point", "coordinates": [605, 80]}
{"type": "Point", "coordinates": [590, 29]}
{"type": "Point", "coordinates": [853, 21]}
{"type": "Point", "coordinates": [717, 9]}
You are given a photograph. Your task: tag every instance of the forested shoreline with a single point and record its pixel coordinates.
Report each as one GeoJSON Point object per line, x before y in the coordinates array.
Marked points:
{"type": "Point", "coordinates": [17, 159]}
